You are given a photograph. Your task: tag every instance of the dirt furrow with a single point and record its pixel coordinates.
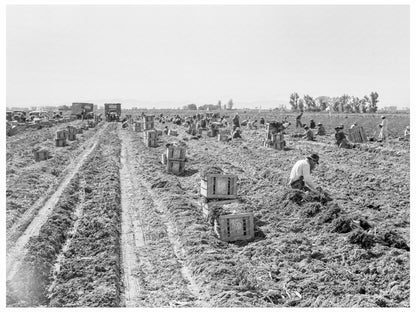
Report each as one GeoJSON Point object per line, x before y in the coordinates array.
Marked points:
{"type": "Point", "coordinates": [15, 255]}
{"type": "Point", "coordinates": [20, 228]}
{"type": "Point", "coordinates": [163, 276]}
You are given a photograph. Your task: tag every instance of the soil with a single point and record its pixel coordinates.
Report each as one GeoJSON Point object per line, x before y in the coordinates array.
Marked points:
{"type": "Point", "coordinates": [124, 232]}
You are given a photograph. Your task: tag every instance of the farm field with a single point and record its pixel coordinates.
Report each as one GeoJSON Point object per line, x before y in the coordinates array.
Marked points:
{"type": "Point", "coordinates": [102, 224]}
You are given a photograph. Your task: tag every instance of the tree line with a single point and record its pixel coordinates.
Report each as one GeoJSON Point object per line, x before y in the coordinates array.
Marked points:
{"type": "Point", "coordinates": [218, 106]}
{"type": "Point", "coordinates": [342, 104]}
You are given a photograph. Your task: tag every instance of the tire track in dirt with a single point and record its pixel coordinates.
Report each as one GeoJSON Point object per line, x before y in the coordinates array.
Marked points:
{"type": "Point", "coordinates": [47, 204]}
{"type": "Point", "coordinates": [136, 222]}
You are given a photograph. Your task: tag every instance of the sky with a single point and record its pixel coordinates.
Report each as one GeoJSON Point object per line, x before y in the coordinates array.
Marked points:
{"type": "Point", "coordinates": [174, 55]}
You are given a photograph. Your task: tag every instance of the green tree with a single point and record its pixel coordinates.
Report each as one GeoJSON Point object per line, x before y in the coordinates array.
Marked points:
{"type": "Point", "coordinates": [355, 103]}
{"type": "Point", "coordinates": [309, 102]}
{"type": "Point", "coordinates": [293, 101]}
{"type": "Point", "coordinates": [230, 104]}
{"type": "Point", "coordinates": [364, 104]}
{"type": "Point", "coordinates": [343, 101]}
{"type": "Point", "coordinates": [301, 105]}
{"type": "Point", "coordinates": [373, 102]}
{"type": "Point", "coordinates": [336, 105]}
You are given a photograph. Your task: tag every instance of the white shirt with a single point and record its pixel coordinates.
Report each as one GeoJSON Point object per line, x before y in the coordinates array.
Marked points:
{"type": "Point", "coordinates": [302, 168]}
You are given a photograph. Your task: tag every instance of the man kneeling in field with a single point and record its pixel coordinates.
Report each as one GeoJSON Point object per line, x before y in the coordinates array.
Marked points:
{"type": "Point", "coordinates": [300, 176]}
{"type": "Point", "coordinates": [341, 139]}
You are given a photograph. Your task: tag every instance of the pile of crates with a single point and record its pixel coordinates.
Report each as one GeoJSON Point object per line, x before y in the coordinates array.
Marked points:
{"type": "Point", "coordinates": [224, 135]}
{"type": "Point", "coordinates": [150, 138]}
{"type": "Point", "coordinates": [146, 123]}
{"type": "Point", "coordinates": [174, 159]}
{"type": "Point", "coordinates": [41, 154]}
{"type": "Point", "coordinates": [72, 133]}
{"type": "Point", "coordinates": [60, 140]}
{"type": "Point", "coordinates": [274, 137]}
{"type": "Point", "coordinates": [219, 191]}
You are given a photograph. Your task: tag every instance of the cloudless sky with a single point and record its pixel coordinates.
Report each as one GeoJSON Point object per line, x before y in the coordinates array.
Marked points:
{"type": "Point", "coordinates": [202, 54]}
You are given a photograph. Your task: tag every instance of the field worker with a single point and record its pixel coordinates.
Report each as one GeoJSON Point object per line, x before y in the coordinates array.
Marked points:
{"type": "Point", "coordinates": [407, 132]}
{"type": "Point", "coordinates": [321, 129]}
{"type": "Point", "coordinates": [236, 133]}
{"type": "Point", "coordinates": [312, 124]}
{"type": "Point", "coordinates": [308, 134]}
{"type": "Point", "coordinates": [262, 121]}
{"type": "Point", "coordinates": [298, 121]}
{"type": "Point", "coordinates": [236, 122]}
{"type": "Point", "coordinates": [300, 176]}
{"type": "Point", "coordinates": [383, 129]}
{"type": "Point", "coordinates": [353, 125]}
{"type": "Point", "coordinates": [341, 139]}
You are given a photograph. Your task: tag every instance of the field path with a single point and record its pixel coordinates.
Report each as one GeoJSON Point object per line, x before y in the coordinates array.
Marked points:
{"type": "Point", "coordinates": [149, 239]}
{"type": "Point", "coordinates": [47, 204]}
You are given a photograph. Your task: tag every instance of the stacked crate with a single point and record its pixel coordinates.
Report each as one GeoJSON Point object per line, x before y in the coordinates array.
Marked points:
{"type": "Point", "coordinates": [137, 126]}
{"type": "Point", "coordinates": [72, 133]}
{"type": "Point", "coordinates": [220, 191]}
{"type": "Point", "coordinates": [174, 159]}
{"type": "Point", "coordinates": [173, 133]}
{"type": "Point", "coordinates": [148, 122]}
{"type": "Point", "coordinates": [212, 132]}
{"type": "Point", "coordinates": [274, 136]}
{"type": "Point", "coordinates": [60, 140]}
{"type": "Point", "coordinates": [223, 135]}
{"type": "Point", "coordinates": [41, 154]}
{"type": "Point", "coordinates": [150, 138]}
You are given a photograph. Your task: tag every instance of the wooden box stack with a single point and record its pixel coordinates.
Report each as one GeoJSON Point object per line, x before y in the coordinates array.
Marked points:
{"type": "Point", "coordinates": [175, 159]}
{"type": "Point", "coordinates": [60, 140]}
{"type": "Point", "coordinates": [148, 122]}
{"type": "Point", "coordinates": [138, 127]}
{"type": "Point", "coordinates": [72, 136]}
{"type": "Point", "coordinates": [357, 135]}
{"type": "Point", "coordinates": [150, 138]}
{"type": "Point", "coordinates": [220, 206]}
{"type": "Point", "coordinates": [173, 132]}
{"type": "Point", "coordinates": [276, 141]}
{"type": "Point", "coordinates": [212, 133]}
{"type": "Point", "coordinates": [40, 155]}
{"type": "Point", "coordinates": [72, 129]}
{"type": "Point", "coordinates": [222, 137]}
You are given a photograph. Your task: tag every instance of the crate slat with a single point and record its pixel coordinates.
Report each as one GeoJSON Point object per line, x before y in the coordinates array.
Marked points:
{"type": "Point", "coordinates": [176, 167]}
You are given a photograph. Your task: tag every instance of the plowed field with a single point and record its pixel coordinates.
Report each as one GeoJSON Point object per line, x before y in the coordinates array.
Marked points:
{"type": "Point", "coordinates": [102, 224]}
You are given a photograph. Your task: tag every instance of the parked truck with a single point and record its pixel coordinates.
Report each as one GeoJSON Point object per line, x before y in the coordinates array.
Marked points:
{"type": "Point", "coordinates": [83, 110]}
{"type": "Point", "coordinates": [112, 111]}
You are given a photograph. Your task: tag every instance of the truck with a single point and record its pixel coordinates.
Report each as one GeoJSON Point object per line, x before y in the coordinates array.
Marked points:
{"type": "Point", "coordinates": [82, 110]}
{"type": "Point", "coordinates": [112, 111]}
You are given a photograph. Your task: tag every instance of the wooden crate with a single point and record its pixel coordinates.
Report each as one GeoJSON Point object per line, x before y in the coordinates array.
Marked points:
{"type": "Point", "coordinates": [208, 207]}
{"type": "Point", "coordinates": [150, 125]}
{"type": "Point", "coordinates": [72, 136]}
{"type": "Point", "coordinates": [176, 153]}
{"type": "Point", "coordinates": [173, 132]}
{"type": "Point", "coordinates": [72, 129]}
{"type": "Point", "coordinates": [222, 137]}
{"type": "Point", "coordinates": [85, 127]}
{"type": "Point", "coordinates": [40, 155]}
{"type": "Point", "coordinates": [159, 132]}
{"type": "Point", "coordinates": [138, 127]}
{"type": "Point", "coordinates": [224, 131]}
{"type": "Point", "coordinates": [357, 135]}
{"type": "Point", "coordinates": [79, 130]}
{"type": "Point", "coordinates": [175, 166]}
{"type": "Point", "coordinates": [212, 133]}
{"type": "Point", "coordinates": [164, 159]}
{"type": "Point", "coordinates": [232, 227]}
{"type": "Point", "coordinates": [60, 142]}
{"type": "Point", "coordinates": [150, 134]}
{"type": "Point", "coordinates": [149, 118]}
{"type": "Point", "coordinates": [150, 142]}
{"type": "Point", "coordinates": [61, 134]}
{"type": "Point", "coordinates": [220, 186]}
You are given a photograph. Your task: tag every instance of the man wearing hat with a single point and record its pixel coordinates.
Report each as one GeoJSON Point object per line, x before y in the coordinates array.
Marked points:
{"type": "Point", "coordinates": [341, 139]}
{"type": "Point", "coordinates": [300, 176]}
{"type": "Point", "coordinates": [321, 129]}
{"type": "Point", "coordinates": [308, 134]}
{"type": "Point", "coordinates": [383, 129]}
